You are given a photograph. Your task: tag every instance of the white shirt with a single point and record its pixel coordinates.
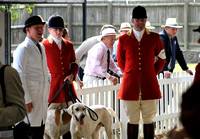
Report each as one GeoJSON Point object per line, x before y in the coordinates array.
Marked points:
{"type": "Point", "coordinates": [138, 34]}
{"type": "Point", "coordinates": [57, 41]}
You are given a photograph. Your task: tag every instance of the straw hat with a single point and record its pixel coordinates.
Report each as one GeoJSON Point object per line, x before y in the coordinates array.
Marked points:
{"type": "Point", "coordinates": [171, 22]}
{"type": "Point", "coordinates": [148, 25]}
{"type": "Point", "coordinates": [125, 26]}
{"type": "Point", "coordinates": [107, 32]}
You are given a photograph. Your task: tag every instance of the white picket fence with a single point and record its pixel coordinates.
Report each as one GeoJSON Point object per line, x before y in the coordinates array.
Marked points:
{"type": "Point", "coordinates": [104, 93]}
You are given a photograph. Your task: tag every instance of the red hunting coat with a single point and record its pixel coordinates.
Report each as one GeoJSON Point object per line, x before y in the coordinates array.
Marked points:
{"type": "Point", "coordinates": [140, 62]}
{"type": "Point", "coordinates": [61, 63]}
{"type": "Point", "coordinates": [197, 73]}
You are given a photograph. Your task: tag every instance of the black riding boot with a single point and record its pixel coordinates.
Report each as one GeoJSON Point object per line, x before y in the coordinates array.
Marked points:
{"type": "Point", "coordinates": [148, 131]}
{"type": "Point", "coordinates": [67, 135]}
{"type": "Point", "coordinates": [132, 131]}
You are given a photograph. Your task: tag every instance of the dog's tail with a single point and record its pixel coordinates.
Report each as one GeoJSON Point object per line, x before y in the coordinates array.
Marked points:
{"type": "Point", "coordinates": [118, 122]}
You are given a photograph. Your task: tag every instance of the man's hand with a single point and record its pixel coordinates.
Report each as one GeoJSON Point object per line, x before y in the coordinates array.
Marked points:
{"type": "Point", "coordinates": [167, 74]}
{"type": "Point", "coordinates": [189, 71]}
{"type": "Point", "coordinates": [113, 80]}
{"type": "Point", "coordinates": [70, 78]}
{"type": "Point", "coordinates": [80, 84]}
{"type": "Point", "coordinates": [29, 107]}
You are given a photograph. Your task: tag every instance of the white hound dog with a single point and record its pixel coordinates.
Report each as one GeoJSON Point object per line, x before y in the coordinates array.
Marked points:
{"type": "Point", "coordinates": [82, 126]}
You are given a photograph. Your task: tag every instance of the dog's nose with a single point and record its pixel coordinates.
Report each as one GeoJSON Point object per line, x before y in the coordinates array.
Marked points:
{"type": "Point", "coordinates": [82, 116]}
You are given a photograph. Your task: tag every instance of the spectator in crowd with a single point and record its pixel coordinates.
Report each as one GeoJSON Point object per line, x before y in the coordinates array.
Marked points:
{"type": "Point", "coordinates": [61, 63]}
{"type": "Point", "coordinates": [99, 62]}
{"type": "Point", "coordinates": [172, 52]}
{"type": "Point", "coordinates": [148, 26]}
{"type": "Point", "coordinates": [197, 68]}
{"type": "Point", "coordinates": [13, 109]}
{"type": "Point", "coordinates": [124, 28]}
{"type": "Point", "coordinates": [30, 62]}
{"type": "Point", "coordinates": [172, 48]}
{"type": "Point", "coordinates": [65, 34]}
{"type": "Point", "coordinates": [82, 51]}
{"type": "Point", "coordinates": [139, 89]}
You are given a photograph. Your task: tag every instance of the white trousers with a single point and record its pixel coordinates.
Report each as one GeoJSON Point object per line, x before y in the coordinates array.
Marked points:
{"type": "Point", "coordinates": [148, 109]}
{"type": "Point", "coordinates": [89, 78]}
{"type": "Point", "coordinates": [59, 105]}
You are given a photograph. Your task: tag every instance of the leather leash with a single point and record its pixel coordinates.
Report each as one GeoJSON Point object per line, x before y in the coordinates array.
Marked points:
{"type": "Point", "coordinates": [75, 99]}
{"type": "Point", "coordinates": [63, 85]}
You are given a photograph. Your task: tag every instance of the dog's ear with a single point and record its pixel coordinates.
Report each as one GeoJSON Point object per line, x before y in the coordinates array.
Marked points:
{"type": "Point", "coordinates": [70, 109]}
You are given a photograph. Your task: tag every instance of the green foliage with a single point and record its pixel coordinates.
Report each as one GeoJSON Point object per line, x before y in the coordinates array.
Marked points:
{"type": "Point", "coordinates": [15, 9]}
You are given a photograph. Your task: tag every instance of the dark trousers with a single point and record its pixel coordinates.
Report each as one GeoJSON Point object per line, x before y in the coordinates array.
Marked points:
{"type": "Point", "coordinates": [37, 132]}
{"type": "Point", "coordinates": [80, 73]}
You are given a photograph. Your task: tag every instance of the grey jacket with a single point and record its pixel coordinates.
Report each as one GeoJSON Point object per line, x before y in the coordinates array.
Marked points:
{"type": "Point", "coordinates": [82, 50]}
{"type": "Point", "coordinates": [16, 110]}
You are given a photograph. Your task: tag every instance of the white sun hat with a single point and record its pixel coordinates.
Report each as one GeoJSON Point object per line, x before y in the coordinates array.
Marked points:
{"type": "Point", "coordinates": [171, 22]}
{"type": "Point", "coordinates": [148, 25]}
{"type": "Point", "coordinates": [107, 32]}
{"type": "Point", "coordinates": [125, 26]}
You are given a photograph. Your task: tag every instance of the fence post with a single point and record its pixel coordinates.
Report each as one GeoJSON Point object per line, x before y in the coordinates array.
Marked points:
{"type": "Point", "coordinates": [110, 12]}
{"type": "Point", "coordinates": [124, 121]}
{"type": "Point", "coordinates": [69, 21]}
{"type": "Point", "coordinates": [186, 25]}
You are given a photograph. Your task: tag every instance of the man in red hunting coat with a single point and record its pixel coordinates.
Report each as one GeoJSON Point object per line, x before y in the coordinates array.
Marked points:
{"type": "Point", "coordinates": [141, 57]}
{"type": "Point", "coordinates": [60, 60]}
{"type": "Point", "coordinates": [197, 68]}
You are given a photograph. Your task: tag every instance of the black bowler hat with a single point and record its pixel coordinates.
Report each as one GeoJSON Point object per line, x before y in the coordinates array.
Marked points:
{"type": "Point", "coordinates": [197, 30]}
{"type": "Point", "coordinates": [56, 21]}
{"type": "Point", "coordinates": [33, 20]}
{"type": "Point", "coordinates": [139, 12]}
